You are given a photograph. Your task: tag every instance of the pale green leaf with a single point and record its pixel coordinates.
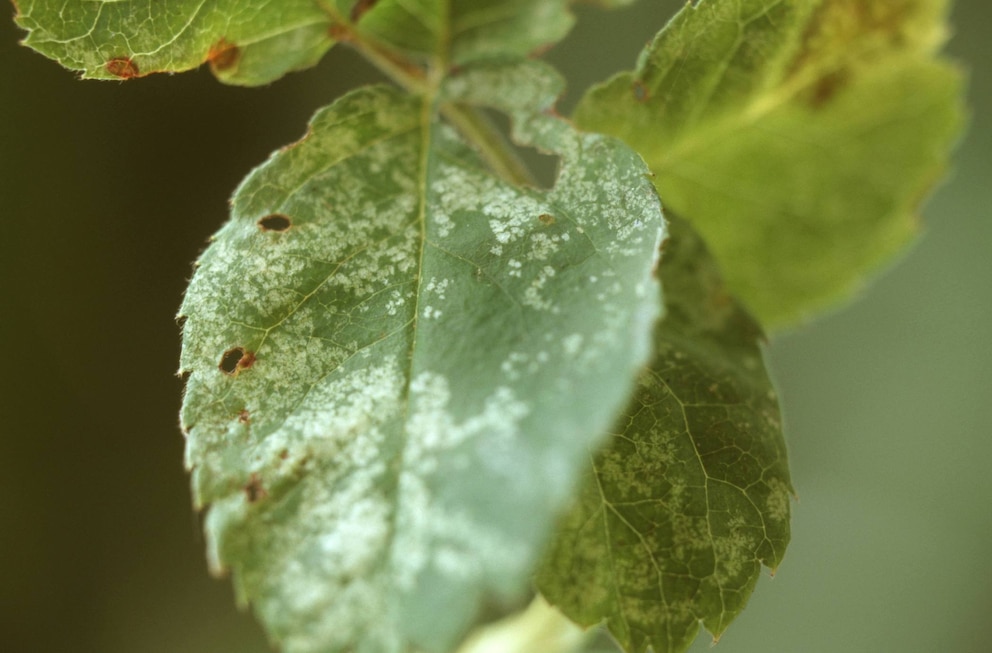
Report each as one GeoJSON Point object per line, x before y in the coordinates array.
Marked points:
{"type": "Point", "coordinates": [246, 42]}
{"type": "Point", "coordinates": [459, 31]}
{"type": "Point", "coordinates": [397, 362]}
{"type": "Point", "coordinates": [609, 4]}
{"type": "Point", "coordinates": [798, 136]}
{"type": "Point", "coordinates": [678, 513]}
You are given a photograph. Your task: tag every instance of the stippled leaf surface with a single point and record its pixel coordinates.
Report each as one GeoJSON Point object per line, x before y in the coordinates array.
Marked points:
{"type": "Point", "coordinates": [460, 31]}
{"type": "Point", "coordinates": [797, 136]}
{"type": "Point", "coordinates": [677, 515]}
{"type": "Point", "coordinates": [397, 362]}
{"type": "Point", "coordinates": [246, 42]}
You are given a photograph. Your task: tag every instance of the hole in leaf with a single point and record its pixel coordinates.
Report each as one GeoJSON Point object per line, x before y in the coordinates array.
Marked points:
{"type": "Point", "coordinates": [236, 359]}
{"type": "Point", "coordinates": [275, 222]}
{"type": "Point", "coordinates": [542, 166]}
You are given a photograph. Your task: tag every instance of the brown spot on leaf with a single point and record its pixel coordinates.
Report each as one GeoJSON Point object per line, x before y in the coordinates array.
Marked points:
{"type": "Point", "coordinates": [235, 360]}
{"type": "Point", "coordinates": [275, 222]}
{"type": "Point", "coordinates": [122, 67]}
{"type": "Point", "coordinates": [640, 91]}
{"type": "Point", "coordinates": [284, 454]}
{"type": "Point", "coordinates": [254, 490]}
{"type": "Point", "coordinates": [826, 88]}
{"type": "Point", "coordinates": [223, 55]}
{"type": "Point", "coordinates": [244, 417]}
{"type": "Point", "coordinates": [546, 219]}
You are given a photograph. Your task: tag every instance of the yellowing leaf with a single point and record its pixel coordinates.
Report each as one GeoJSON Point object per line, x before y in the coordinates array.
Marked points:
{"type": "Point", "coordinates": [797, 136]}
{"type": "Point", "coordinates": [676, 516]}
{"type": "Point", "coordinates": [398, 360]}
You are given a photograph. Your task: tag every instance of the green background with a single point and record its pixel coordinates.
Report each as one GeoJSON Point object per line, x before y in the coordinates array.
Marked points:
{"type": "Point", "coordinates": [109, 190]}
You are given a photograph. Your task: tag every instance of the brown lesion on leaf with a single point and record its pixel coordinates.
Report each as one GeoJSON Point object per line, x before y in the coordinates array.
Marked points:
{"type": "Point", "coordinates": [236, 360]}
{"type": "Point", "coordinates": [122, 68]}
{"type": "Point", "coordinates": [825, 88]}
{"type": "Point", "coordinates": [254, 490]}
{"type": "Point", "coordinates": [844, 34]}
{"type": "Point", "coordinates": [277, 222]}
{"type": "Point", "coordinates": [640, 91]}
{"type": "Point", "coordinates": [546, 219]}
{"type": "Point", "coordinates": [244, 417]}
{"type": "Point", "coordinates": [223, 56]}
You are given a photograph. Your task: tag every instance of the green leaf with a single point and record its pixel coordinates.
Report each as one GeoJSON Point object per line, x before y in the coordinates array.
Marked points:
{"type": "Point", "coordinates": [245, 42]}
{"type": "Point", "coordinates": [397, 362]}
{"type": "Point", "coordinates": [461, 31]}
{"type": "Point", "coordinates": [799, 137]}
{"type": "Point", "coordinates": [609, 4]}
{"type": "Point", "coordinates": [677, 515]}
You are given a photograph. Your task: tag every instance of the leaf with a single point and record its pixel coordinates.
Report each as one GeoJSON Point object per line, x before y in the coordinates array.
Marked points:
{"type": "Point", "coordinates": [677, 515]}
{"type": "Point", "coordinates": [798, 137]}
{"type": "Point", "coordinates": [397, 362]}
{"type": "Point", "coordinates": [609, 4]}
{"type": "Point", "coordinates": [247, 43]}
{"type": "Point", "coordinates": [461, 31]}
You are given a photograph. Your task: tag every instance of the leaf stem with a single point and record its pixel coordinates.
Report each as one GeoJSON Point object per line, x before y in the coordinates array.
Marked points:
{"type": "Point", "coordinates": [495, 149]}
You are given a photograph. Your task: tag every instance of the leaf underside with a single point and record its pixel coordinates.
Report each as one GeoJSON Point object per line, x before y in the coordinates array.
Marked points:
{"type": "Point", "coordinates": [398, 361]}
{"type": "Point", "coordinates": [798, 137]}
{"type": "Point", "coordinates": [677, 515]}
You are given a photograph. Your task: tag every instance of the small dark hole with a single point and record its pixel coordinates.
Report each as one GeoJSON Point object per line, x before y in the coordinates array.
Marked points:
{"type": "Point", "coordinates": [275, 222]}
{"type": "Point", "coordinates": [230, 361]}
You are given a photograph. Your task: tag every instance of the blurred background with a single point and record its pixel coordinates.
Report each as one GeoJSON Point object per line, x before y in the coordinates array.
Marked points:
{"type": "Point", "coordinates": [109, 190]}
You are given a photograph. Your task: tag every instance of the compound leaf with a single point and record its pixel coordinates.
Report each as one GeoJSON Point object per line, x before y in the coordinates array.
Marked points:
{"type": "Point", "coordinates": [797, 136]}
{"type": "Point", "coordinates": [246, 42]}
{"type": "Point", "coordinates": [397, 361]}
{"type": "Point", "coordinates": [678, 513]}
